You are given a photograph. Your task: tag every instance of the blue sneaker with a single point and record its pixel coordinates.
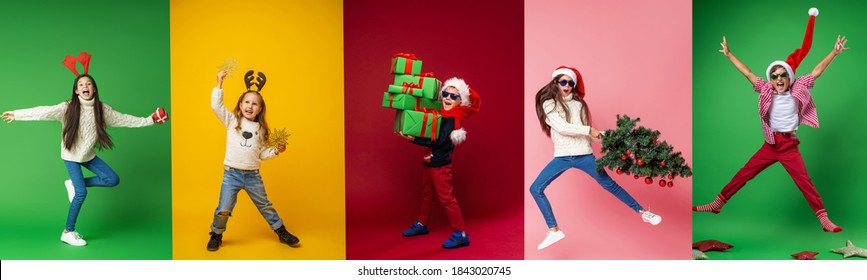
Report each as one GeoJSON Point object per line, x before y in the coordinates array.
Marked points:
{"type": "Point", "coordinates": [457, 240]}
{"type": "Point", "coordinates": [416, 229]}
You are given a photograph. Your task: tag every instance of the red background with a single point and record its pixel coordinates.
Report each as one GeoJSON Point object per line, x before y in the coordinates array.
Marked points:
{"type": "Point", "coordinates": [480, 43]}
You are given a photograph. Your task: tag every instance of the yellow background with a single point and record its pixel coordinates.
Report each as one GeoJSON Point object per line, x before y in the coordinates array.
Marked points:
{"type": "Point", "coordinates": [299, 46]}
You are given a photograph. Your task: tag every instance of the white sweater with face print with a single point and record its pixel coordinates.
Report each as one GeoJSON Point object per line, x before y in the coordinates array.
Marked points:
{"type": "Point", "coordinates": [244, 147]}
{"type": "Point", "coordinates": [82, 149]}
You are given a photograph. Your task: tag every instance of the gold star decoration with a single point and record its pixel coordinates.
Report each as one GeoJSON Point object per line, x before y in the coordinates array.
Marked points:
{"type": "Point", "coordinates": [278, 136]}
{"type": "Point", "coordinates": [850, 250]}
{"type": "Point", "coordinates": [698, 255]}
{"type": "Point", "coordinates": [230, 65]}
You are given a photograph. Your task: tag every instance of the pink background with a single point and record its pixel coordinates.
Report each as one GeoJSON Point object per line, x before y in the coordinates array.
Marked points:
{"type": "Point", "coordinates": [478, 42]}
{"type": "Point", "coordinates": [635, 58]}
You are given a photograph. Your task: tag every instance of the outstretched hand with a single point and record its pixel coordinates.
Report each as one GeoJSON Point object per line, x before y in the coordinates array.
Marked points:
{"type": "Point", "coordinates": [8, 116]}
{"type": "Point", "coordinates": [725, 47]}
{"type": "Point", "coordinates": [407, 137]}
{"type": "Point", "coordinates": [840, 45]}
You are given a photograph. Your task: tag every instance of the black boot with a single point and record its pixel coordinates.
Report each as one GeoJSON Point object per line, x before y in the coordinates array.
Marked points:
{"type": "Point", "coordinates": [286, 237]}
{"type": "Point", "coordinates": [216, 240]}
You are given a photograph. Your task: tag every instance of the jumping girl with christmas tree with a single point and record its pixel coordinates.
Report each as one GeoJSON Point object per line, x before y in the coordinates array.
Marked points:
{"type": "Point", "coordinates": [247, 135]}
{"type": "Point", "coordinates": [784, 104]}
{"type": "Point", "coordinates": [565, 118]}
{"type": "Point", "coordinates": [459, 103]}
{"type": "Point", "coordinates": [83, 119]}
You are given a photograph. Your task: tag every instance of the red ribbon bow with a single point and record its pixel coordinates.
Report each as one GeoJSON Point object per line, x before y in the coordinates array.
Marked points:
{"type": "Point", "coordinates": [433, 127]}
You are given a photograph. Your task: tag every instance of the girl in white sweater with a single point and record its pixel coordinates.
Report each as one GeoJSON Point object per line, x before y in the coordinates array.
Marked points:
{"type": "Point", "coordinates": [247, 137]}
{"type": "Point", "coordinates": [565, 117]}
{"type": "Point", "coordinates": [83, 119]}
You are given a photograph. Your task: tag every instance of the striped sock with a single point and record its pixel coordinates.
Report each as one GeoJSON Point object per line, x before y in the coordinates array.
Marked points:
{"type": "Point", "coordinates": [827, 225]}
{"type": "Point", "coordinates": [714, 206]}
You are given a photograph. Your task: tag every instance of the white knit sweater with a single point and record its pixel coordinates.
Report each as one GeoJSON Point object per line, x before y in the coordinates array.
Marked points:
{"type": "Point", "coordinates": [570, 139]}
{"type": "Point", "coordinates": [85, 139]}
{"type": "Point", "coordinates": [245, 153]}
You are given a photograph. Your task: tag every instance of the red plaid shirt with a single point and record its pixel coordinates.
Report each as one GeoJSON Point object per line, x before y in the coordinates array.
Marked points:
{"type": "Point", "coordinates": [799, 90]}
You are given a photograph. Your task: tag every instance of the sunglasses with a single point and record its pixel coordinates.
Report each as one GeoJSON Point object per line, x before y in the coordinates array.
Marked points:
{"type": "Point", "coordinates": [453, 96]}
{"type": "Point", "coordinates": [563, 83]}
{"type": "Point", "coordinates": [781, 75]}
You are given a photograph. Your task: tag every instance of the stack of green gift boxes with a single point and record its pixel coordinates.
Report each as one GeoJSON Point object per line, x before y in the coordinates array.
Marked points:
{"type": "Point", "coordinates": [415, 96]}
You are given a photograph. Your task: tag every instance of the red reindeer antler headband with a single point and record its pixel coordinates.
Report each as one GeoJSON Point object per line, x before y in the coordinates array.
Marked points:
{"type": "Point", "coordinates": [83, 57]}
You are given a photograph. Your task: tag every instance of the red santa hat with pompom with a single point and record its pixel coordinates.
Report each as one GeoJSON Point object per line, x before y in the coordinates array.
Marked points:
{"type": "Point", "coordinates": [572, 73]}
{"type": "Point", "coordinates": [794, 59]}
{"type": "Point", "coordinates": [470, 103]}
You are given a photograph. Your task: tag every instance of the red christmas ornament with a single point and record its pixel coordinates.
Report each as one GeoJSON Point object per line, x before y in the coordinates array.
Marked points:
{"type": "Point", "coordinates": [711, 245]}
{"type": "Point", "coordinates": [670, 184]}
{"type": "Point", "coordinates": [648, 180]}
{"type": "Point", "coordinates": [662, 183]}
{"type": "Point", "coordinates": [640, 162]}
{"type": "Point", "coordinates": [670, 177]}
{"type": "Point", "coordinates": [628, 152]}
{"type": "Point", "coordinates": [636, 177]}
{"type": "Point", "coordinates": [623, 157]}
{"type": "Point", "coordinates": [662, 163]}
{"type": "Point", "coordinates": [654, 141]}
{"type": "Point", "coordinates": [619, 171]}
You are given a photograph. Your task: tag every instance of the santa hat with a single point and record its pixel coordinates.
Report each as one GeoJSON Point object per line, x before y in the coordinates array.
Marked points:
{"type": "Point", "coordinates": [470, 103]}
{"type": "Point", "coordinates": [572, 73]}
{"type": "Point", "coordinates": [461, 86]}
{"type": "Point", "coordinates": [794, 59]}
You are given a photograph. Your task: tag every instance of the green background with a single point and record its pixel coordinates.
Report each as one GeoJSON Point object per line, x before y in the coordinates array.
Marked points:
{"type": "Point", "coordinates": [769, 218]}
{"type": "Point", "coordinates": [129, 41]}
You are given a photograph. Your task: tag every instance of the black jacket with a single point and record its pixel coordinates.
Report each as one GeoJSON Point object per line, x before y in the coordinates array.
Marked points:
{"type": "Point", "coordinates": [440, 150]}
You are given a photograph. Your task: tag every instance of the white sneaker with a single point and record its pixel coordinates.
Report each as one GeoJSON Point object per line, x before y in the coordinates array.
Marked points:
{"type": "Point", "coordinates": [73, 238]}
{"type": "Point", "coordinates": [70, 189]}
{"type": "Point", "coordinates": [550, 238]}
{"type": "Point", "coordinates": [651, 218]}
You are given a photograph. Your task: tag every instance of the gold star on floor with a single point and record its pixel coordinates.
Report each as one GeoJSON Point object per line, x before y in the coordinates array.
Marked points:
{"type": "Point", "coordinates": [850, 250]}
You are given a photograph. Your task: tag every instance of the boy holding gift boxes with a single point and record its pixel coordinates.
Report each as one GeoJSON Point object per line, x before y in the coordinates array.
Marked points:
{"type": "Point", "coordinates": [459, 102]}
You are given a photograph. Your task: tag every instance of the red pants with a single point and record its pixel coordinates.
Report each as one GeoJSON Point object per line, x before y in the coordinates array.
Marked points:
{"type": "Point", "coordinates": [440, 179]}
{"type": "Point", "coordinates": [786, 152]}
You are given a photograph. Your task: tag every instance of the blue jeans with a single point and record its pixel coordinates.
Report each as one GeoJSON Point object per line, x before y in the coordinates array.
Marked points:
{"type": "Point", "coordinates": [105, 177]}
{"type": "Point", "coordinates": [586, 163]}
{"type": "Point", "coordinates": [235, 180]}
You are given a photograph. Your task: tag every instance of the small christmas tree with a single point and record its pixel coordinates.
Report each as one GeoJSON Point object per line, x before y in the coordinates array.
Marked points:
{"type": "Point", "coordinates": [637, 151]}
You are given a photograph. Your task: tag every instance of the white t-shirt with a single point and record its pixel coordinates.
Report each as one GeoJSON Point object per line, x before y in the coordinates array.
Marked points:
{"type": "Point", "coordinates": [784, 113]}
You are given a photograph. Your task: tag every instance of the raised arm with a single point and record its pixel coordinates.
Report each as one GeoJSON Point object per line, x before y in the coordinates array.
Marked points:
{"type": "Point", "coordinates": [738, 64]}
{"type": "Point", "coordinates": [217, 105]}
{"type": "Point", "coordinates": [839, 47]}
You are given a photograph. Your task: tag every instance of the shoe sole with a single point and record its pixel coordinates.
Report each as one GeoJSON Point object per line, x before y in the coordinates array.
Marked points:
{"type": "Point", "coordinates": [417, 234]}
{"type": "Point", "coordinates": [76, 245]}
{"type": "Point", "coordinates": [295, 244]}
{"type": "Point", "coordinates": [458, 246]}
{"type": "Point", "coordinates": [552, 243]}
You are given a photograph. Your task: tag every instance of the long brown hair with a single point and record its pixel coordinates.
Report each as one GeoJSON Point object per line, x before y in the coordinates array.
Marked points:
{"type": "Point", "coordinates": [264, 132]}
{"type": "Point", "coordinates": [73, 113]}
{"type": "Point", "coordinates": [551, 91]}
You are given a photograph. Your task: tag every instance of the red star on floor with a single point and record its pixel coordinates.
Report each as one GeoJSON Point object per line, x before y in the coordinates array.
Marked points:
{"type": "Point", "coordinates": [711, 245]}
{"type": "Point", "coordinates": [805, 255]}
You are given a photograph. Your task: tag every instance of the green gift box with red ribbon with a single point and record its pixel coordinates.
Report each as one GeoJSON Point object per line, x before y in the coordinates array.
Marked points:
{"type": "Point", "coordinates": [405, 64]}
{"type": "Point", "coordinates": [424, 85]}
{"type": "Point", "coordinates": [408, 102]}
{"type": "Point", "coordinates": [425, 124]}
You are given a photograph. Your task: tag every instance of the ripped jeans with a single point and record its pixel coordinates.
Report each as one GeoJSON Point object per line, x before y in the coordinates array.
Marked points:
{"type": "Point", "coordinates": [234, 180]}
